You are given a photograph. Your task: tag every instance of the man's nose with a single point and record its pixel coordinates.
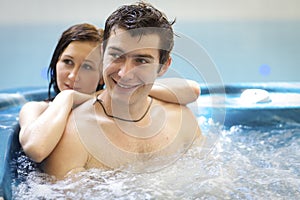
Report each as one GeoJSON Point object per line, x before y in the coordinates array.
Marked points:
{"type": "Point", "coordinates": [125, 68]}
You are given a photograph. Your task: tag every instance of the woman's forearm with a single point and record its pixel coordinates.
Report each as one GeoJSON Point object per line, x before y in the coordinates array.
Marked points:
{"type": "Point", "coordinates": [176, 90]}
{"type": "Point", "coordinates": [40, 134]}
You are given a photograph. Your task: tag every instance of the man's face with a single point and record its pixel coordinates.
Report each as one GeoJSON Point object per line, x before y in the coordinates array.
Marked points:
{"type": "Point", "coordinates": [131, 65]}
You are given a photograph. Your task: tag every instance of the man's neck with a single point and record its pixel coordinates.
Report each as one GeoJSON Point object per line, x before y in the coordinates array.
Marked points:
{"type": "Point", "coordinates": [126, 110]}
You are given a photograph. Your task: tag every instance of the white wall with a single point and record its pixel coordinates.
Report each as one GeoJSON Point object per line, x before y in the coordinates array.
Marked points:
{"type": "Point", "coordinates": [241, 36]}
{"type": "Point", "coordinates": [45, 11]}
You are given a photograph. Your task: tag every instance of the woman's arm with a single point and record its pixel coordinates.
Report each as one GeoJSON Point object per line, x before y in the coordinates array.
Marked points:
{"type": "Point", "coordinates": [175, 90]}
{"type": "Point", "coordinates": [42, 124]}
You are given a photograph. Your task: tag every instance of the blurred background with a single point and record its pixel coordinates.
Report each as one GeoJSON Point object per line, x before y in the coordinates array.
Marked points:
{"type": "Point", "coordinates": [243, 41]}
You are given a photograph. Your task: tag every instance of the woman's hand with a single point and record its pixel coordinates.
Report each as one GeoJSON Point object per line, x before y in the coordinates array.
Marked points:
{"type": "Point", "coordinates": [79, 98]}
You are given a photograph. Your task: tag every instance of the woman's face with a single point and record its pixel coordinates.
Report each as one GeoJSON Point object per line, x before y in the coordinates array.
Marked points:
{"type": "Point", "coordinates": [80, 67]}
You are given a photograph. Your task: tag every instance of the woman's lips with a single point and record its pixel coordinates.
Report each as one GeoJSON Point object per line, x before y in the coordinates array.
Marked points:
{"type": "Point", "coordinates": [68, 87]}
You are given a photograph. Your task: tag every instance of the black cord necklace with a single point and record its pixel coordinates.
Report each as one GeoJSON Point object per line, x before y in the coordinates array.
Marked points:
{"type": "Point", "coordinates": [100, 101]}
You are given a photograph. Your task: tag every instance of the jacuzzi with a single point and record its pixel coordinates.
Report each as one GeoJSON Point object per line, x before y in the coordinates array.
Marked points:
{"type": "Point", "coordinates": [233, 108]}
{"type": "Point", "coordinates": [10, 103]}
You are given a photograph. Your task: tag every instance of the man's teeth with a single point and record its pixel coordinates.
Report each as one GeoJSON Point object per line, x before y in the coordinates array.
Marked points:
{"type": "Point", "coordinates": [125, 86]}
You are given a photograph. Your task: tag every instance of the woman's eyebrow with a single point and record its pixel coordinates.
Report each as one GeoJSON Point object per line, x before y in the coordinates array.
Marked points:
{"type": "Point", "coordinates": [66, 55]}
{"type": "Point", "coordinates": [92, 62]}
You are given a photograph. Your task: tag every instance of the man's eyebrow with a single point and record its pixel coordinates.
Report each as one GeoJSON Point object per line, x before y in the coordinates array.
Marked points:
{"type": "Point", "coordinates": [143, 56]}
{"type": "Point", "coordinates": [134, 55]}
{"type": "Point", "coordinates": [115, 49]}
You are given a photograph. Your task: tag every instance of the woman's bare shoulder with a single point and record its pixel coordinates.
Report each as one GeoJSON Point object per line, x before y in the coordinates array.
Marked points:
{"type": "Point", "coordinates": [33, 108]}
{"type": "Point", "coordinates": [35, 105]}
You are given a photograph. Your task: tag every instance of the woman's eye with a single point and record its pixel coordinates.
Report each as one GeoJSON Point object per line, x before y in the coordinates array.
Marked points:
{"type": "Point", "coordinates": [68, 62]}
{"type": "Point", "coordinates": [87, 67]}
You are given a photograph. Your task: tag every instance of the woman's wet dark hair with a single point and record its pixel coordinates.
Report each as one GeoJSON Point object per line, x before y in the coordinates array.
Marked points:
{"type": "Point", "coordinates": [78, 32]}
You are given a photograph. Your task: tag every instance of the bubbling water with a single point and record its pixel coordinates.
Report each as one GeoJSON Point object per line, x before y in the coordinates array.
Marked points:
{"type": "Point", "coordinates": [236, 163]}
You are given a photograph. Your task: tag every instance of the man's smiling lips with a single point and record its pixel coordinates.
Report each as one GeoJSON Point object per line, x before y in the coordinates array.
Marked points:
{"type": "Point", "coordinates": [126, 86]}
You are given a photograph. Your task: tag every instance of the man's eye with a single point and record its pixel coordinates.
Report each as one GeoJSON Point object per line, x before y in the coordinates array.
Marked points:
{"type": "Point", "coordinates": [142, 61]}
{"type": "Point", "coordinates": [116, 57]}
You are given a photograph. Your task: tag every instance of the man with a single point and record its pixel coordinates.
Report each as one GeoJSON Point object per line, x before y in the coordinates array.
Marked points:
{"type": "Point", "coordinates": [123, 127]}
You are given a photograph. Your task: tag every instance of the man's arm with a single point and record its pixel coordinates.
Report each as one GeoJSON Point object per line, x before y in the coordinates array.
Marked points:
{"type": "Point", "coordinates": [175, 90]}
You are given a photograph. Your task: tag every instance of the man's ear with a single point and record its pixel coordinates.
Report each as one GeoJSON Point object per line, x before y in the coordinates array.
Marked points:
{"type": "Point", "coordinates": [165, 67]}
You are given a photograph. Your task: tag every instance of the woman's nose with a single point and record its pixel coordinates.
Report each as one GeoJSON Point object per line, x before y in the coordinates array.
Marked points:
{"type": "Point", "coordinates": [73, 75]}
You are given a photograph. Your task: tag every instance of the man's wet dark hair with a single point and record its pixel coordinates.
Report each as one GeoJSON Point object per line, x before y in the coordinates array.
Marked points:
{"type": "Point", "coordinates": [142, 19]}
